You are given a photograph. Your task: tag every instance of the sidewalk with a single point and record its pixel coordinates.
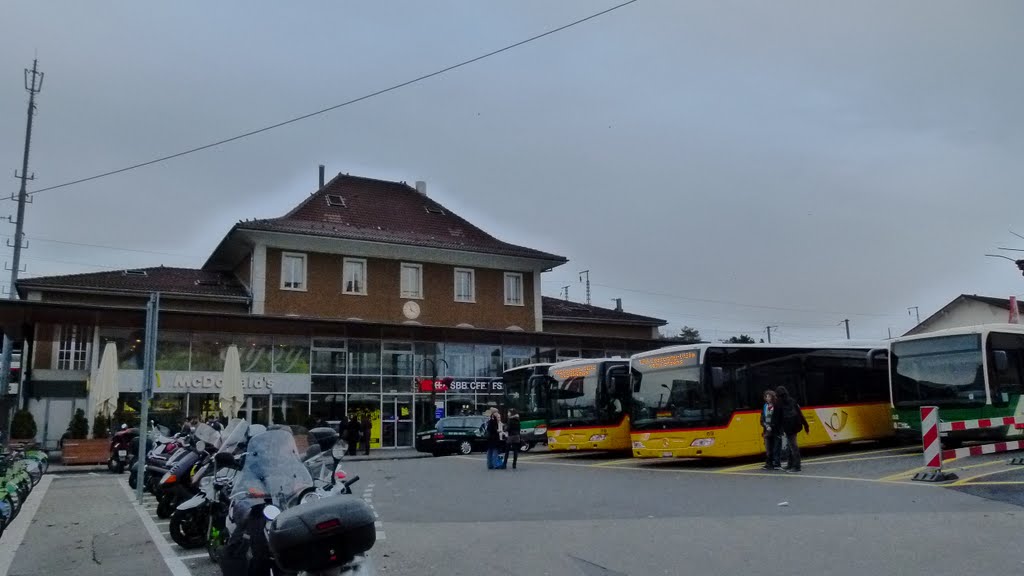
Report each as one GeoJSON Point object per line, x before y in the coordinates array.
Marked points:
{"type": "Point", "coordinates": [61, 469]}
{"type": "Point", "coordinates": [388, 454]}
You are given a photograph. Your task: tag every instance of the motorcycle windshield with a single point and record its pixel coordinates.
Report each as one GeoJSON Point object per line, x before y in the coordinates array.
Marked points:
{"type": "Point", "coordinates": [272, 469]}
{"type": "Point", "coordinates": [234, 435]}
{"type": "Point", "coordinates": [207, 434]}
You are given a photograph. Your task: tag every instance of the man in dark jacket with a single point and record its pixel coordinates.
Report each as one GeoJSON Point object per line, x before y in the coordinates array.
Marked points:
{"type": "Point", "coordinates": [790, 418]}
{"type": "Point", "coordinates": [367, 429]}
{"type": "Point", "coordinates": [352, 435]}
{"type": "Point", "coordinates": [514, 440]}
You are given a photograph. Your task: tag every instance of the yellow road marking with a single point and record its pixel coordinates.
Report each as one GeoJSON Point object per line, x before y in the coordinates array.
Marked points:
{"type": "Point", "coordinates": [913, 471]}
{"type": "Point", "coordinates": [1006, 483]}
{"type": "Point", "coordinates": [610, 463]}
{"type": "Point", "coordinates": [907, 449]}
{"type": "Point", "coordinates": [857, 459]}
{"type": "Point", "coordinates": [963, 481]}
{"type": "Point", "coordinates": [732, 469]}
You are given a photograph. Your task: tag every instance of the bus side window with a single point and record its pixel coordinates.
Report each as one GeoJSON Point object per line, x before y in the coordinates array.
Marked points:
{"type": "Point", "coordinates": [1005, 384]}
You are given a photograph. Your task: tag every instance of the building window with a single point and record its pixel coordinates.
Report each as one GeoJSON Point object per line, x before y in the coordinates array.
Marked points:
{"type": "Point", "coordinates": [353, 276]}
{"type": "Point", "coordinates": [465, 285]}
{"type": "Point", "coordinates": [412, 281]}
{"type": "Point", "coordinates": [513, 289]}
{"type": "Point", "coordinates": [293, 271]}
{"type": "Point", "coordinates": [73, 352]}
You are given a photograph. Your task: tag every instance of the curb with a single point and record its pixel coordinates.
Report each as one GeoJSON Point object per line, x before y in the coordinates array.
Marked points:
{"type": "Point", "coordinates": [386, 458]}
{"type": "Point", "coordinates": [71, 471]}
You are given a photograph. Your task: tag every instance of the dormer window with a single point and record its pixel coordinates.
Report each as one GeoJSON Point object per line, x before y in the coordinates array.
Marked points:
{"type": "Point", "coordinates": [134, 273]}
{"type": "Point", "coordinates": [335, 200]}
{"type": "Point", "coordinates": [435, 209]}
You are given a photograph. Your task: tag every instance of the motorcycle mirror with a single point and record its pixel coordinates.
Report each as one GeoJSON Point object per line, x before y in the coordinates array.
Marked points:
{"type": "Point", "coordinates": [201, 446]}
{"type": "Point", "coordinates": [339, 450]}
{"type": "Point", "coordinates": [270, 512]}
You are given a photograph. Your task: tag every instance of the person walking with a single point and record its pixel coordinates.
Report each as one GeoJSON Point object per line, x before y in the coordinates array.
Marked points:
{"type": "Point", "coordinates": [367, 429]}
{"type": "Point", "coordinates": [792, 420]}
{"type": "Point", "coordinates": [772, 434]}
{"type": "Point", "coordinates": [352, 435]}
{"type": "Point", "coordinates": [493, 440]}
{"type": "Point", "coordinates": [514, 441]}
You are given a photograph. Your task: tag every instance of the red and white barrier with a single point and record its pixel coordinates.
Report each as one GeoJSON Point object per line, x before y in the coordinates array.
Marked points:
{"type": "Point", "coordinates": [931, 427]}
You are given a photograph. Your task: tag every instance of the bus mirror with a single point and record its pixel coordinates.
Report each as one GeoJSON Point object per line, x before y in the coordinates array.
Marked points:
{"type": "Point", "coordinates": [717, 377]}
{"type": "Point", "coordinates": [1002, 364]}
{"type": "Point", "coordinates": [620, 384]}
{"type": "Point", "coordinates": [877, 358]}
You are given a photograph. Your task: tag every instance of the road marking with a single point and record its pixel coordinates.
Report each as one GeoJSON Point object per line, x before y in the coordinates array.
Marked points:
{"type": "Point", "coordinates": [380, 535]}
{"type": "Point", "coordinates": [907, 449]}
{"type": "Point", "coordinates": [378, 524]}
{"type": "Point", "coordinates": [15, 532]}
{"type": "Point", "coordinates": [194, 556]}
{"type": "Point", "coordinates": [613, 462]}
{"type": "Point", "coordinates": [996, 483]}
{"type": "Point", "coordinates": [174, 564]}
{"type": "Point", "coordinates": [858, 459]}
{"type": "Point", "coordinates": [732, 469]}
{"type": "Point", "coordinates": [964, 481]}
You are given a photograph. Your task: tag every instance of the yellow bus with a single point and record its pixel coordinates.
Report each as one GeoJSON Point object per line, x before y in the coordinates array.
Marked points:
{"type": "Point", "coordinates": [705, 400]}
{"type": "Point", "coordinates": [590, 405]}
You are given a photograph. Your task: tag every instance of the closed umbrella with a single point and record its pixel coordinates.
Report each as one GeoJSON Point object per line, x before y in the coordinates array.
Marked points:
{"type": "Point", "coordinates": [231, 395]}
{"type": "Point", "coordinates": [105, 389]}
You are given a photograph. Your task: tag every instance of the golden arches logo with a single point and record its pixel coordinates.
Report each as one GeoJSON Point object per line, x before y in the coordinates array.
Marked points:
{"type": "Point", "coordinates": [837, 421]}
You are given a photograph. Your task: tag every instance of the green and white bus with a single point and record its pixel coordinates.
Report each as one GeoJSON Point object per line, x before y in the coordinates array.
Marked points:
{"type": "Point", "coordinates": [969, 373]}
{"type": "Point", "coordinates": [528, 390]}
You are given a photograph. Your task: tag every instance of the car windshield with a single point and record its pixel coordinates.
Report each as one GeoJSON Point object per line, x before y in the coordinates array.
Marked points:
{"type": "Point", "coordinates": [272, 469]}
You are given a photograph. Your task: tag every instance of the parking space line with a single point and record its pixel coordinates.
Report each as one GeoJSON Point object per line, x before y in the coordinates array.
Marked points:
{"type": "Point", "coordinates": [16, 531]}
{"type": "Point", "coordinates": [909, 450]}
{"type": "Point", "coordinates": [967, 480]}
{"type": "Point", "coordinates": [858, 459]}
{"type": "Point", "coordinates": [194, 556]}
{"type": "Point", "coordinates": [173, 562]}
{"type": "Point", "coordinates": [730, 470]}
{"type": "Point", "coordinates": [613, 462]}
{"type": "Point", "coordinates": [994, 483]}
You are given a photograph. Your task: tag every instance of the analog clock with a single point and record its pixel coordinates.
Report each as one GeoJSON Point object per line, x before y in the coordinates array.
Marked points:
{"type": "Point", "coordinates": [411, 310]}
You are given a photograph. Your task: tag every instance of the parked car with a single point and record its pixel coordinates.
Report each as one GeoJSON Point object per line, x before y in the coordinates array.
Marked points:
{"type": "Point", "coordinates": [454, 435]}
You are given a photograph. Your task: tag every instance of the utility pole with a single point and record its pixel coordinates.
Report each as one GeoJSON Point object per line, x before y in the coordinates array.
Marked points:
{"type": "Point", "coordinates": [847, 322]}
{"type": "Point", "coordinates": [769, 329]}
{"type": "Point", "coordinates": [565, 292]}
{"type": "Point", "coordinates": [917, 313]}
{"type": "Point", "coordinates": [586, 274]}
{"type": "Point", "coordinates": [33, 85]}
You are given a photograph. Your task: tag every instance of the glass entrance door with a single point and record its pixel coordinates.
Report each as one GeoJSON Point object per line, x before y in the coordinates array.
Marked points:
{"type": "Point", "coordinates": [397, 421]}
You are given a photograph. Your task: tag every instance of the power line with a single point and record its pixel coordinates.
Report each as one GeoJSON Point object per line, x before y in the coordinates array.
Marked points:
{"type": "Point", "coordinates": [337, 106]}
{"type": "Point", "coordinates": [105, 247]}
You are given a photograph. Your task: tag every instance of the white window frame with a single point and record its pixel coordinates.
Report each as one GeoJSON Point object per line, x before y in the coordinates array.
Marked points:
{"type": "Point", "coordinates": [417, 293]}
{"type": "Point", "coordinates": [76, 357]}
{"type": "Point", "coordinates": [522, 289]}
{"type": "Point", "coordinates": [472, 285]}
{"type": "Point", "coordinates": [366, 276]}
{"type": "Point", "coordinates": [305, 271]}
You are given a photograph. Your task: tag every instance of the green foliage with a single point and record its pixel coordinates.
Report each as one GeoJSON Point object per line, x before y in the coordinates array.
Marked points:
{"type": "Point", "coordinates": [130, 418]}
{"type": "Point", "coordinates": [24, 425]}
{"type": "Point", "coordinates": [78, 429]}
{"type": "Point", "coordinates": [741, 339]}
{"type": "Point", "coordinates": [689, 335]}
{"type": "Point", "coordinates": [101, 426]}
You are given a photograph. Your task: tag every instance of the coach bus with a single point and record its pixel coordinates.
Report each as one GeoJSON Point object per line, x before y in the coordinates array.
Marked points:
{"type": "Point", "coordinates": [591, 405]}
{"type": "Point", "coordinates": [968, 373]}
{"type": "Point", "coordinates": [705, 400]}
{"type": "Point", "coordinates": [528, 391]}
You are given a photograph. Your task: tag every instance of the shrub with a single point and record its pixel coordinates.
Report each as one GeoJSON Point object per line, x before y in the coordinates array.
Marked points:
{"type": "Point", "coordinates": [24, 425]}
{"type": "Point", "coordinates": [101, 426]}
{"type": "Point", "coordinates": [78, 429]}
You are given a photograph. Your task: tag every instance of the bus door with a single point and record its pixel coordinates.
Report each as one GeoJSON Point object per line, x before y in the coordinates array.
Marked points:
{"type": "Point", "coordinates": [615, 393]}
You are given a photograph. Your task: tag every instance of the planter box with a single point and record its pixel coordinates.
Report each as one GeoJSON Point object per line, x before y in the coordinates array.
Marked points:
{"type": "Point", "coordinates": [86, 451]}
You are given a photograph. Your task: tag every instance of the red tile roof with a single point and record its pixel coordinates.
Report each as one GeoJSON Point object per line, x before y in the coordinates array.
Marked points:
{"type": "Point", "coordinates": [184, 281]}
{"type": "Point", "coordinates": [385, 211]}
{"type": "Point", "coordinates": [565, 310]}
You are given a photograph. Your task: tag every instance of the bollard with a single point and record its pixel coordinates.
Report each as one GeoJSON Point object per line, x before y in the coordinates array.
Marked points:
{"type": "Point", "coordinates": [932, 448]}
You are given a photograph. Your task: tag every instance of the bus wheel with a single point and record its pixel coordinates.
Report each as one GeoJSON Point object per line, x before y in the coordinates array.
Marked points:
{"type": "Point", "coordinates": [527, 447]}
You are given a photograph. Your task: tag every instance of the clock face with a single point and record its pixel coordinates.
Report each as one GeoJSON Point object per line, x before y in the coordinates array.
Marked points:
{"type": "Point", "coordinates": [411, 310]}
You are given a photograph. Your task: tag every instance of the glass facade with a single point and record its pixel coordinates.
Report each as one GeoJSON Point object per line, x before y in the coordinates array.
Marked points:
{"type": "Point", "coordinates": [338, 377]}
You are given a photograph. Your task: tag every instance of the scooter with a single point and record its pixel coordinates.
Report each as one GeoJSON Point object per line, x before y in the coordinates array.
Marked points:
{"type": "Point", "coordinates": [120, 448]}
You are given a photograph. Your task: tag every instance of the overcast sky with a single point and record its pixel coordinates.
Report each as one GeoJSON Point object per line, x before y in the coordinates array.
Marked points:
{"type": "Point", "coordinates": [725, 165]}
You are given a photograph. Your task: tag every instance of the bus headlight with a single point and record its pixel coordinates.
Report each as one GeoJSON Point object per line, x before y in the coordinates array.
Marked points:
{"type": "Point", "coordinates": [598, 437]}
{"type": "Point", "coordinates": [702, 442]}
{"type": "Point", "coordinates": [638, 445]}
{"type": "Point", "coordinates": [540, 430]}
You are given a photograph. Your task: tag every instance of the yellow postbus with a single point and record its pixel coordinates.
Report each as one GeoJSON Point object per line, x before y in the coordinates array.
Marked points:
{"type": "Point", "coordinates": [705, 400]}
{"type": "Point", "coordinates": [590, 405]}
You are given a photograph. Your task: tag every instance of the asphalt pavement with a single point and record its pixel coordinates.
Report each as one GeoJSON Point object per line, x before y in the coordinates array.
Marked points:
{"type": "Point", "coordinates": [852, 511]}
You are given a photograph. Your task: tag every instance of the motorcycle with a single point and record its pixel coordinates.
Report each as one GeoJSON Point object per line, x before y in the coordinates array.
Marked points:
{"type": "Point", "coordinates": [190, 523]}
{"type": "Point", "coordinates": [120, 448]}
{"type": "Point", "coordinates": [175, 486]}
{"type": "Point", "coordinates": [312, 535]}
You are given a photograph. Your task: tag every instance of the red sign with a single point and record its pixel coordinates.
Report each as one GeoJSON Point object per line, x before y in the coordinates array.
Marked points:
{"type": "Point", "coordinates": [431, 385]}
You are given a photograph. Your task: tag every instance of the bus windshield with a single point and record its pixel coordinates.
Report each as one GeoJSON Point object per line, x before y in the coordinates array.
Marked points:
{"type": "Point", "coordinates": [676, 395]}
{"type": "Point", "coordinates": [940, 370]}
{"type": "Point", "coordinates": [528, 392]}
{"type": "Point", "coordinates": [574, 390]}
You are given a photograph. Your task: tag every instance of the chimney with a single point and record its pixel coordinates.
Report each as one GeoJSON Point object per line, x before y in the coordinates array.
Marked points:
{"type": "Point", "coordinates": [321, 177]}
{"type": "Point", "coordinates": [421, 187]}
{"type": "Point", "coordinates": [618, 304]}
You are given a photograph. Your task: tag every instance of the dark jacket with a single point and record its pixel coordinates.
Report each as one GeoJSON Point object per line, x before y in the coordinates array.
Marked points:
{"type": "Point", "coordinates": [793, 426]}
{"type": "Point", "coordinates": [352, 431]}
{"type": "Point", "coordinates": [493, 436]}
{"type": "Point", "coordinates": [514, 429]}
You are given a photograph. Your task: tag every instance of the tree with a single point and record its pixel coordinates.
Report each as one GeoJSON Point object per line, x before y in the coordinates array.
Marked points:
{"type": "Point", "coordinates": [78, 429]}
{"type": "Point", "coordinates": [689, 335]}
{"type": "Point", "coordinates": [741, 339]}
{"type": "Point", "coordinates": [23, 427]}
{"type": "Point", "coordinates": [101, 426]}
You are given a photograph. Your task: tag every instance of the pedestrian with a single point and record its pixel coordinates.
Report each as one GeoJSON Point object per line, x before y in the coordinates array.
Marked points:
{"type": "Point", "coordinates": [343, 425]}
{"type": "Point", "coordinates": [367, 430]}
{"type": "Point", "coordinates": [772, 434]}
{"type": "Point", "coordinates": [493, 440]}
{"type": "Point", "coordinates": [186, 428]}
{"type": "Point", "coordinates": [791, 418]}
{"type": "Point", "coordinates": [352, 435]}
{"type": "Point", "coordinates": [514, 441]}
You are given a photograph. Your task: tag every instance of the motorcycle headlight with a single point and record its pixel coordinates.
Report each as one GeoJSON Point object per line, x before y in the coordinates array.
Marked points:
{"type": "Point", "coordinates": [309, 497]}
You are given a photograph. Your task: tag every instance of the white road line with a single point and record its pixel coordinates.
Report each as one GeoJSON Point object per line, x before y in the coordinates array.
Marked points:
{"type": "Point", "coordinates": [174, 564]}
{"type": "Point", "coordinates": [380, 535]}
{"type": "Point", "coordinates": [15, 533]}
{"type": "Point", "coordinates": [378, 524]}
{"type": "Point", "coordinates": [194, 556]}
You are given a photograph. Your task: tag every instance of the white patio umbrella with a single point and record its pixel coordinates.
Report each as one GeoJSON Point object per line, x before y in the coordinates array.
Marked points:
{"type": "Point", "coordinates": [231, 395]}
{"type": "Point", "coordinates": [104, 387]}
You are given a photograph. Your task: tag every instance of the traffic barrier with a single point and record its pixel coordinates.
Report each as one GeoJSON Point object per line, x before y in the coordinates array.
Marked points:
{"type": "Point", "coordinates": [931, 429]}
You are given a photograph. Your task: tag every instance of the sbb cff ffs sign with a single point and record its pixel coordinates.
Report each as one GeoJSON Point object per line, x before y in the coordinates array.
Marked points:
{"type": "Point", "coordinates": [452, 385]}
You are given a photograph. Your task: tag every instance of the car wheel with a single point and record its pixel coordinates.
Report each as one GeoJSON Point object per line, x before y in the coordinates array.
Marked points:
{"type": "Point", "coordinates": [527, 447]}
{"type": "Point", "coordinates": [465, 447]}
